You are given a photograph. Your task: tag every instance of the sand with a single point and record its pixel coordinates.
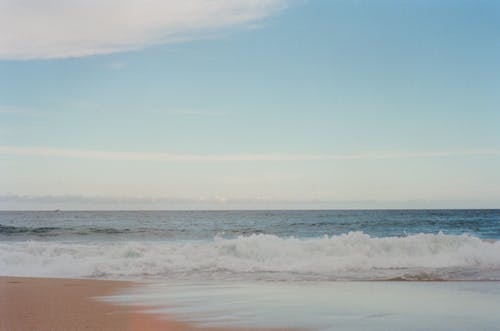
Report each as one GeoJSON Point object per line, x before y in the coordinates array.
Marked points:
{"type": "Point", "coordinates": [54, 304]}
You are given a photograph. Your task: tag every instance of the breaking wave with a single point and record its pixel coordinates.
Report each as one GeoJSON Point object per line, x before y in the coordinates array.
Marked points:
{"type": "Point", "coordinates": [351, 256]}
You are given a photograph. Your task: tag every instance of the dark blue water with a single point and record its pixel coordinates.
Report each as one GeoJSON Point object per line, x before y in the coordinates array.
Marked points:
{"type": "Point", "coordinates": [200, 225]}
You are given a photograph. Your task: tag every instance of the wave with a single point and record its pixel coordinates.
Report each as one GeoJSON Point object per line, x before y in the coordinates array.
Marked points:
{"type": "Point", "coordinates": [16, 230]}
{"type": "Point", "coordinates": [351, 256]}
{"type": "Point", "coordinates": [26, 232]}
{"type": "Point", "coordinates": [51, 230]}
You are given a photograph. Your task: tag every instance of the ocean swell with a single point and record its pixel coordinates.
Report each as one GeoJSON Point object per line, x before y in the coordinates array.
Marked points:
{"type": "Point", "coordinates": [351, 256]}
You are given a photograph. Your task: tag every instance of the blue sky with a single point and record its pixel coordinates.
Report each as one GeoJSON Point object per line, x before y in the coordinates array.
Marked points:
{"type": "Point", "coordinates": [343, 102]}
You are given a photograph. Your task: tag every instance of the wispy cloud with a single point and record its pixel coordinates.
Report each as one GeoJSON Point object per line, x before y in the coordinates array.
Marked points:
{"type": "Point", "coordinates": [13, 110]}
{"type": "Point", "coordinates": [75, 28]}
{"type": "Point", "coordinates": [192, 112]}
{"type": "Point", "coordinates": [167, 157]}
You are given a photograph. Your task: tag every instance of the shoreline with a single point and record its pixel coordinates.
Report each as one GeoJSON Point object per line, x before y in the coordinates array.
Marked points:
{"type": "Point", "coordinates": [32, 303]}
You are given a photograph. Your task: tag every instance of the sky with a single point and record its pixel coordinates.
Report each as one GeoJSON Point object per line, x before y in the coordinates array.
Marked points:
{"type": "Point", "coordinates": [122, 104]}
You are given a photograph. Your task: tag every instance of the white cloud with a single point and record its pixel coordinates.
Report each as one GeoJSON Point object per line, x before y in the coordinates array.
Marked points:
{"type": "Point", "coordinates": [113, 155]}
{"type": "Point", "coordinates": [74, 28]}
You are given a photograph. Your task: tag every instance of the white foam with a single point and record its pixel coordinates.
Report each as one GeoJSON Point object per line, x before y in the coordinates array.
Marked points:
{"type": "Point", "coordinates": [350, 256]}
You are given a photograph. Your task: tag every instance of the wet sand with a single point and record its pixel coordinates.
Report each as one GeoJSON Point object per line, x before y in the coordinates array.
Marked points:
{"type": "Point", "coordinates": [54, 304]}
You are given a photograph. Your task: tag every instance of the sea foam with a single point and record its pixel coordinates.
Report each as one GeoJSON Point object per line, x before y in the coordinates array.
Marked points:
{"type": "Point", "coordinates": [351, 256]}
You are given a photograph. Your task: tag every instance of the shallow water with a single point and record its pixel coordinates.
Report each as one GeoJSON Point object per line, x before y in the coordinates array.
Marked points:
{"type": "Point", "coordinates": [343, 306]}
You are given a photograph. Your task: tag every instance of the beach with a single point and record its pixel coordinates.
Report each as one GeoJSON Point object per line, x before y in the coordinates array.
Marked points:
{"type": "Point", "coordinates": [44, 304]}
{"type": "Point", "coordinates": [69, 304]}
{"type": "Point", "coordinates": [53, 304]}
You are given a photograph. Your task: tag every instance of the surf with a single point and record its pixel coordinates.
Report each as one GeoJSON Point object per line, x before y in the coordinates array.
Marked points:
{"type": "Point", "coordinates": [349, 256]}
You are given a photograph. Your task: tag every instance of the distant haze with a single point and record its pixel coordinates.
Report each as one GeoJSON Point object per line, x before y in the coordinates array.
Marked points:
{"type": "Point", "coordinates": [136, 203]}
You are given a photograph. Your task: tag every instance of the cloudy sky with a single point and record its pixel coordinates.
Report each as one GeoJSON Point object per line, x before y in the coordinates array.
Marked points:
{"type": "Point", "coordinates": [251, 103]}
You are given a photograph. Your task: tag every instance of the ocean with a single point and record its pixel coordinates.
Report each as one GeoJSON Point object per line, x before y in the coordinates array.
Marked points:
{"type": "Point", "coordinates": [257, 264]}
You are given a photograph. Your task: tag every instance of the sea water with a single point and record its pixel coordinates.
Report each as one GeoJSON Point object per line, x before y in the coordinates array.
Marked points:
{"type": "Point", "coordinates": [307, 269]}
